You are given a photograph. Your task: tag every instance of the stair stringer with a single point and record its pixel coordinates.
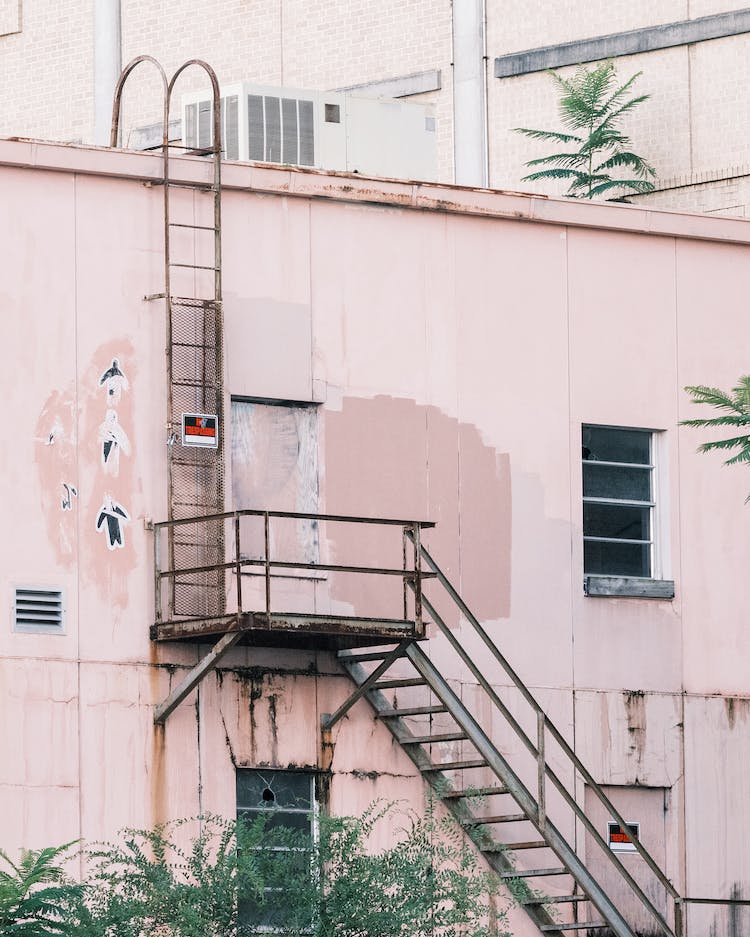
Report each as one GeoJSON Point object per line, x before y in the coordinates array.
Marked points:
{"type": "Point", "coordinates": [440, 784]}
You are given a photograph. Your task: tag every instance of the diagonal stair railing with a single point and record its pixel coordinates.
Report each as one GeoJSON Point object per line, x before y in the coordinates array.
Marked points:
{"type": "Point", "coordinates": [539, 793]}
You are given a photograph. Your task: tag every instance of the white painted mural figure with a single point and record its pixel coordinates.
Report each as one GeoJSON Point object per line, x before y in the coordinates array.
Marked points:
{"type": "Point", "coordinates": [112, 516]}
{"type": "Point", "coordinates": [114, 381]}
{"type": "Point", "coordinates": [113, 438]}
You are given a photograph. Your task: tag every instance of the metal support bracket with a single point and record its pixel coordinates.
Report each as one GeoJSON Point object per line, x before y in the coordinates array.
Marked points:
{"type": "Point", "coordinates": [194, 677]}
{"type": "Point", "coordinates": [328, 721]}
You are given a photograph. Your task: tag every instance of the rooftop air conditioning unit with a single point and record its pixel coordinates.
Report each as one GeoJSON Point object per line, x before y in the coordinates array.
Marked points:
{"type": "Point", "coordinates": [320, 129]}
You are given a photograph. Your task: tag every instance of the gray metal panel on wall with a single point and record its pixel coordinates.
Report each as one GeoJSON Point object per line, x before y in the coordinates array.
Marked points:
{"type": "Point", "coordinates": [469, 93]}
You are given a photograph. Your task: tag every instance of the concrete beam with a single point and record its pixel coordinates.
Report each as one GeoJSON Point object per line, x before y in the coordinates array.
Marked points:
{"type": "Point", "coordinates": [632, 42]}
{"type": "Point", "coordinates": [401, 87]}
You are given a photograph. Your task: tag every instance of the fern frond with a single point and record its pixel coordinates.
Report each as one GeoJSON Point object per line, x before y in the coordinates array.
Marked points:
{"type": "Point", "coordinates": [548, 135]}
{"type": "Point", "coordinates": [636, 185]}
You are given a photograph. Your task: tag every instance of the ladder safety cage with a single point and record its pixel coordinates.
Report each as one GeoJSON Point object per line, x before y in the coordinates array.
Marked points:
{"type": "Point", "coordinates": [194, 327]}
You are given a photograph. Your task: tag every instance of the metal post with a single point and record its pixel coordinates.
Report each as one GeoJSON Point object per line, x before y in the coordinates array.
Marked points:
{"type": "Point", "coordinates": [541, 769]}
{"type": "Point", "coordinates": [406, 583]}
{"type": "Point", "coordinates": [238, 566]}
{"type": "Point", "coordinates": [679, 924]}
{"type": "Point", "coordinates": [267, 537]}
{"type": "Point", "coordinates": [157, 573]}
{"type": "Point", "coordinates": [417, 577]}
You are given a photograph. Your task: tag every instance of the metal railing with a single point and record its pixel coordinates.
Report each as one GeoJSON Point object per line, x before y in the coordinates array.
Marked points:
{"type": "Point", "coordinates": [268, 566]}
{"type": "Point", "coordinates": [537, 747]}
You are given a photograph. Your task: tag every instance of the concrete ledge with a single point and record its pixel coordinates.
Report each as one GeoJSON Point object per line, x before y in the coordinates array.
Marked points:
{"type": "Point", "coordinates": [632, 42]}
{"type": "Point", "coordinates": [402, 87]}
{"type": "Point", "coordinates": [624, 586]}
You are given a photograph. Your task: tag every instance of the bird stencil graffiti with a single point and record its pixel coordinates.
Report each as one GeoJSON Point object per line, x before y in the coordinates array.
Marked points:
{"type": "Point", "coordinates": [114, 381]}
{"type": "Point", "coordinates": [113, 439]}
{"type": "Point", "coordinates": [112, 517]}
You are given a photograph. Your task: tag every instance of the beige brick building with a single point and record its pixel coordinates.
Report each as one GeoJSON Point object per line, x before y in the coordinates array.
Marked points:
{"type": "Point", "coordinates": [480, 62]}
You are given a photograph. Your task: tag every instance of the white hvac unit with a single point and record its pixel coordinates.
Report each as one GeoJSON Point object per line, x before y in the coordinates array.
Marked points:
{"type": "Point", "coordinates": [321, 129]}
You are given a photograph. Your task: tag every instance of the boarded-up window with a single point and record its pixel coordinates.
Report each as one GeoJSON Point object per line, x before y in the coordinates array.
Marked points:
{"type": "Point", "coordinates": [275, 468]}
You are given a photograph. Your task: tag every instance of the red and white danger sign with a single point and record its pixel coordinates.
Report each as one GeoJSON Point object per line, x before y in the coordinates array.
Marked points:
{"type": "Point", "coordinates": [200, 429]}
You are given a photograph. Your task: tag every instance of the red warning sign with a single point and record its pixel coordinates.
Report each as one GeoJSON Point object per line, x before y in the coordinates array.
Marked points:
{"type": "Point", "coordinates": [618, 839]}
{"type": "Point", "coordinates": [200, 429]}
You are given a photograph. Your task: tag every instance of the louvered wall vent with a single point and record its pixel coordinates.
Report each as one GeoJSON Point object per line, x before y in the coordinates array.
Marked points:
{"type": "Point", "coordinates": [38, 611]}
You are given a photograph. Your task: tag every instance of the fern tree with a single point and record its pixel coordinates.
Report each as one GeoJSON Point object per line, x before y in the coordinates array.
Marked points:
{"type": "Point", "coordinates": [734, 410]}
{"type": "Point", "coordinates": [235, 880]}
{"type": "Point", "coordinates": [36, 897]}
{"type": "Point", "coordinates": [597, 159]}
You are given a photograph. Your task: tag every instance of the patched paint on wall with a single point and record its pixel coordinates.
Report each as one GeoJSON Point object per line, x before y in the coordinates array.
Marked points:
{"type": "Point", "coordinates": [392, 457]}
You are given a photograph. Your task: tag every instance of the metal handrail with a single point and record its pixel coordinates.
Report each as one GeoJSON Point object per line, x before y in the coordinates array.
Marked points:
{"type": "Point", "coordinates": [567, 750]}
{"type": "Point", "coordinates": [411, 575]}
{"type": "Point", "coordinates": [299, 515]}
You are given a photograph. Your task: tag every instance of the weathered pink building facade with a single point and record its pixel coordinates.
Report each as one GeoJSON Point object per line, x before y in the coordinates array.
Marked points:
{"type": "Point", "coordinates": [391, 350]}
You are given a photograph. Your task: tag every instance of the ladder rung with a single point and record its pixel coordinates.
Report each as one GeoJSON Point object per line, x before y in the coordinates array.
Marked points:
{"type": "Point", "coordinates": [430, 739]}
{"type": "Point", "coordinates": [579, 925]}
{"type": "Point", "coordinates": [195, 227]}
{"type": "Point", "coordinates": [193, 301]}
{"type": "Point", "coordinates": [202, 186]}
{"type": "Point", "coordinates": [456, 765]}
{"type": "Point", "coordinates": [410, 711]}
{"type": "Point", "coordinates": [192, 266]}
{"type": "Point", "coordinates": [194, 150]}
{"type": "Point", "coordinates": [191, 345]}
{"type": "Point", "coordinates": [392, 684]}
{"type": "Point", "coordinates": [534, 873]}
{"type": "Point", "coordinates": [512, 847]}
{"type": "Point", "coordinates": [475, 792]}
{"type": "Point", "coordinates": [555, 899]}
{"type": "Point", "coordinates": [500, 818]}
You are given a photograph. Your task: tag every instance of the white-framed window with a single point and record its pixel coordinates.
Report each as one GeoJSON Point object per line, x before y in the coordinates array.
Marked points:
{"type": "Point", "coordinates": [287, 800]}
{"type": "Point", "coordinates": [620, 520]}
{"type": "Point", "coordinates": [616, 838]}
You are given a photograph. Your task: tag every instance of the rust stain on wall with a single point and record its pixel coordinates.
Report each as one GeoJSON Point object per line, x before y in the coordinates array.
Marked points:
{"type": "Point", "coordinates": [635, 711]}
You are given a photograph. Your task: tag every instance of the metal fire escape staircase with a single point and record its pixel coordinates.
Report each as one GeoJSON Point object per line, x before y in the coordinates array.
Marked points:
{"type": "Point", "coordinates": [517, 804]}
{"type": "Point", "coordinates": [194, 346]}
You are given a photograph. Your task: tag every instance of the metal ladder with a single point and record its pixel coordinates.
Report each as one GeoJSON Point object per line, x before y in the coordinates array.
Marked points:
{"type": "Point", "coordinates": [496, 796]}
{"type": "Point", "coordinates": [194, 347]}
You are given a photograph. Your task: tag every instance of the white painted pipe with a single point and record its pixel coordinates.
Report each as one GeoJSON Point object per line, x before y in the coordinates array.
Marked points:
{"type": "Point", "coordinates": [469, 93]}
{"type": "Point", "coordinates": [107, 65]}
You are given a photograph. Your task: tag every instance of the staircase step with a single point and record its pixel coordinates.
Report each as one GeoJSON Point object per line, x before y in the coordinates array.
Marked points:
{"type": "Point", "coordinates": [392, 684]}
{"type": "Point", "coordinates": [456, 765]}
{"type": "Point", "coordinates": [555, 899]}
{"type": "Point", "coordinates": [474, 792]}
{"type": "Point", "coordinates": [511, 847]}
{"type": "Point", "coordinates": [498, 818]}
{"type": "Point", "coordinates": [534, 873]}
{"type": "Point", "coordinates": [346, 658]}
{"type": "Point", "coordinates": [430, 739]}
{"type": "Point", "coordinates": [580, 925]}
{"type": "Point", "coordinates": [411, 711]}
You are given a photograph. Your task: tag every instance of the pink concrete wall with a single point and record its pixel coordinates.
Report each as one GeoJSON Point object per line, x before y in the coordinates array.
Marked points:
{"type": "Point", "coordinates": [455, 342]}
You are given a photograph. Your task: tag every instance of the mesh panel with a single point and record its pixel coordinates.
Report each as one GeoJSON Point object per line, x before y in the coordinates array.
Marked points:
{"type": "Point", "coordinates": [196, 474]}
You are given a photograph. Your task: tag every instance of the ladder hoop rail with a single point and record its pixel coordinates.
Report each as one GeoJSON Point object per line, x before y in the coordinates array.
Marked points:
{"type": "Point", "coordinates": [536, 816]}
{"type": "Point", "coordinates": [549, 725]}
{"type": "Point", "coordinates": [116, 107]}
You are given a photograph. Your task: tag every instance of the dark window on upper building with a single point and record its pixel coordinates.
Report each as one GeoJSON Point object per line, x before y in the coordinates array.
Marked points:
{"type": "Point", "coordinates": [618, 502]}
